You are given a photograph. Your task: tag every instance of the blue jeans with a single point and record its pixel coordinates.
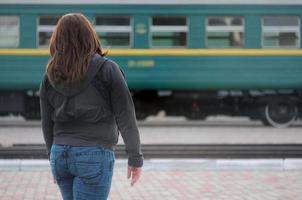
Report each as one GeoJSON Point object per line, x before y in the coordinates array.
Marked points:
{"type": "Point", "coordinates": [82, 172]}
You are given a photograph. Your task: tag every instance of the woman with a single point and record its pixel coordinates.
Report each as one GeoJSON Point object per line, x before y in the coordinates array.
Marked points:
{"type": "Point", "coordinates": [85, 103]}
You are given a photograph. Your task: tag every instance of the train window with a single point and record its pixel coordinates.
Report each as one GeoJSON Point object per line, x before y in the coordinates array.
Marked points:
{"type": "Point", "coordinates": [45, 28]}
{"type": "Point", "coordinates": [225, 32]}
{"type": "Point", "coordinates": [9, 31]}
{"type": "Point", "coordinates": [167, 32]}
{"type": "Point", "coordinates": [280, 32]}
{"type": "Point", "coordinates": [114, 31]}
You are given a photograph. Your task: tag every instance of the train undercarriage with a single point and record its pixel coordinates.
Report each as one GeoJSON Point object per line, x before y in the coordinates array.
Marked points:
{"type": "Point", "coordinates": [277, 108]}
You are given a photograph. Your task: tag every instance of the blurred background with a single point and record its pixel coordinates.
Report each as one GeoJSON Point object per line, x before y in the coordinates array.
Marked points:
{"type": "Point", "coordinates": [193, 61]}
{"type": "Point", "coordinates": [209, 79]}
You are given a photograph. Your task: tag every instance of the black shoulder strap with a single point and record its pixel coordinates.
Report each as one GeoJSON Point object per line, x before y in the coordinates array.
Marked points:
{"type": "Point", "coordinates": [46, 82]}
{"type": "Point", "coordinates": [96, 81]}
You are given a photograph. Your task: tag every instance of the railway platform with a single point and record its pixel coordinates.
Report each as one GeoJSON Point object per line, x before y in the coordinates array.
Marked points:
{"type": "Point", "coordinates": [165, 179]}
{"type": "Point", "coordinates": [185, 178]}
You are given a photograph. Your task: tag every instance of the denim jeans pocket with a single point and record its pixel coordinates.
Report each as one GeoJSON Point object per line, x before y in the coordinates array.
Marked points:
{"type": "Point", "coordinates": [90, 172]}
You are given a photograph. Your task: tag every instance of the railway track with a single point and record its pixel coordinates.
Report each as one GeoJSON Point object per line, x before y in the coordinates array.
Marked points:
{"type": "Point", "coordinates": [158, 122]}
{"type": "Point", "coordinates": [37, 151]}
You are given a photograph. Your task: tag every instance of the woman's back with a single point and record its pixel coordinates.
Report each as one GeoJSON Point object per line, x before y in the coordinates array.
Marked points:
{"type": "Point", "coordinates": [85, 101]}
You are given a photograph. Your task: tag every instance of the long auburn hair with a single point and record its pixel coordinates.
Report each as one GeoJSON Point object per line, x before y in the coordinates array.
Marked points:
{"type": "Point", "coordinates": [72, 45]}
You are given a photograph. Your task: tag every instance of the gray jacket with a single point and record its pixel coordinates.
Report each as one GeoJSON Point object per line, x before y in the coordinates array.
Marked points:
{"type": "Point", "coordinates": [91, 112]}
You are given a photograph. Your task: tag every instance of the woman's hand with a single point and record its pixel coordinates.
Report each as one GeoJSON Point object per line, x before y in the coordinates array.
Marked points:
{"type": "Point", "coordinates": [135, 173]}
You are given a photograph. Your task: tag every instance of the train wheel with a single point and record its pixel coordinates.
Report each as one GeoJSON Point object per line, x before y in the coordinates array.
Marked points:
{"type": "Point", "coordinates": [280, 114]}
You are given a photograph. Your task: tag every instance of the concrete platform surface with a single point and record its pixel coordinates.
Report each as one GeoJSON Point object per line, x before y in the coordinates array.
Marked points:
{"type": "Point", "coordinates": [171, 164]}
{"type": "Point", "coordinates": [169, 179]}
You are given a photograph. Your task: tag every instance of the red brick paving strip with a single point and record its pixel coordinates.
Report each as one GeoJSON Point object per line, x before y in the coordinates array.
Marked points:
{"type": "Point", "coordinates": [167, 185]}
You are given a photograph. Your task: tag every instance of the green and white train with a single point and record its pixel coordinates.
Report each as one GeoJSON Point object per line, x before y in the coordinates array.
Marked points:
{"type": "Point", "coordinates": [193, 58]}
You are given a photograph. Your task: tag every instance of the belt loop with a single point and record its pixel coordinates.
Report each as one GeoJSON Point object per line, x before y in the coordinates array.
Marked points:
{"type": "Point", "coordinates": [66, 147]}
{"type": "Point", "coordinates": [65, 151]}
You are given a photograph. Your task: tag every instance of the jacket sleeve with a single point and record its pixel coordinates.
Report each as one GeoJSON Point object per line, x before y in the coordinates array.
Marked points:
{"type": "Point", "coordinates": [124, 112]}
{"type": "Point", "coordinates": [46, 111]}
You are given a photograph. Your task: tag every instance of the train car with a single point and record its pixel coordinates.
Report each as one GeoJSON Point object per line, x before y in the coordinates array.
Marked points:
{"type": "Point", "coordinates": [193, 58]}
